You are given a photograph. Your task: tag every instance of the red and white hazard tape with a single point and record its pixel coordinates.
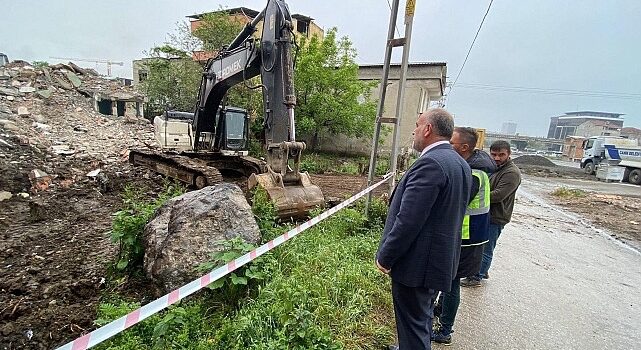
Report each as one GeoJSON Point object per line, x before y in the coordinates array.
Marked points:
{"type": "Point", "coordinates": [107, 331]}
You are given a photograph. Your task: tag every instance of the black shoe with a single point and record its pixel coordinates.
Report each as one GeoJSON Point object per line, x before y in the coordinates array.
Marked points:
{"type": "Point", "coordinates": [486, 276]}
{"type": "Point", "coordinates": [442, 338]}
{"type": "Point", "coordinates": [470, 282]}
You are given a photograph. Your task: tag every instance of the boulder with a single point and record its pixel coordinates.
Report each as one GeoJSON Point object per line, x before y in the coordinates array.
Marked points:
{"type": "Point", "coordinates": [187, 229]}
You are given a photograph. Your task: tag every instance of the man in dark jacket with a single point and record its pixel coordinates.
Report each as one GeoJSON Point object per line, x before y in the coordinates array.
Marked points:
{"type": "Point", "coordinates": [475, 229]}
{"type": "Point", "coordinates": [421, 241]}
{"type": "Point", "coordinates": [504, 183]}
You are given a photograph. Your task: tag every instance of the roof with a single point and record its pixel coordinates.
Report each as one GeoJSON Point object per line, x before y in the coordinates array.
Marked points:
{"type": "Point", "coordinates": [591, 117]}
{"type": "Point", "coordinates": [303, 18]}
{"type": "Point", "coordinates": [233, 11]}
{"type": "Point", "coordinates": [411, 64]}
{"type": "Point", "coordinates": [596, 114]}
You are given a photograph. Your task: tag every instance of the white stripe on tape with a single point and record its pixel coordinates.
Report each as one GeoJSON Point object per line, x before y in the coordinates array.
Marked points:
{"type": "Point", "coordinates": [107, 331]}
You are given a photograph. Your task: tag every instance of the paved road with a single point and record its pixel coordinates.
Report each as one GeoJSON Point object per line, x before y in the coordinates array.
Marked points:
{"type": "Point", "coordinates": [556, 283]}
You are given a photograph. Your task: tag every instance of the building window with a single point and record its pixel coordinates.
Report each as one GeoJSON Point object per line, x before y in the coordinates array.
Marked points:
{"type": "Point", "coordinates": [142, 76]}
{"type": "Point", "coordinates": [302, 27]}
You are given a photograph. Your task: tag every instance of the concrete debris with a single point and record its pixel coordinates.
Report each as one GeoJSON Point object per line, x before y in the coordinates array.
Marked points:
{"type": "Point", "coordinates": [10, 91]}
{"type": "Point", "coordinates": [23, 195]}
{"type": "Point", "coordinates": [23, 111]}
{"type": "Point", "coordinates": [75, 81]}
{"type": "Point", "coordinates": [39, 180]}
{"type": "Point", "coordinates": [27, 89]}
{"type": "Point", "coordinates": [44, 93]}
{"type": "Point", "coordinates": [54, 125]}
{"type": "Point", "coordinates": [4, 195]}
{"type": "Point", "coordinates": [62, 150]}
{"type": "Point", "coordinates": [93, 173]}
{"type": "Point", "coordinates": [8, 125]}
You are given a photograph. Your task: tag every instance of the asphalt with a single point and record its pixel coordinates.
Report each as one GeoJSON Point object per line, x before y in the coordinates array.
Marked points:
{"type": "Point", "coordinates": [556, 283]}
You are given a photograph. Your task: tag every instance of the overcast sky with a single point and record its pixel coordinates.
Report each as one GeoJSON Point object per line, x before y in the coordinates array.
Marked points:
{"type": "Point", "coordinates": [579, 45]}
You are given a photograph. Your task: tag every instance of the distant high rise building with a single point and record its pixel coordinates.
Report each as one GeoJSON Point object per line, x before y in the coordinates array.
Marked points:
{"type": "Point", "coordinates": [585, 123]}
{"type": "Point", "coordinates": [508, 128]}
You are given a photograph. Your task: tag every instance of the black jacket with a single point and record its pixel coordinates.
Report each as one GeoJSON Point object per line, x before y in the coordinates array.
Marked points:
{"type": "Point", "coordinates": [471, 257]}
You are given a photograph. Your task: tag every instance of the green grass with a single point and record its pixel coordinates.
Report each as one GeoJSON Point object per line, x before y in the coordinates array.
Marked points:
{"type": "Point", "coordinates": [322, 291]}
{"type": "Point", "coordinates": [326, 163]}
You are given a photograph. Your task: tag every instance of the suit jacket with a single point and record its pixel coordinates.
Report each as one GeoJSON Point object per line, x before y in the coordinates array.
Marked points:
{"type": "Point", "coordinates": [422, 236]}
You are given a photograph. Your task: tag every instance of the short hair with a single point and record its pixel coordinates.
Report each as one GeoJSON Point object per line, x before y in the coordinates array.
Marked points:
{"type": "Point", "coordinates": [499, 145]}
{"type": "Point", "coordinates": [469, 135]}
{"type": "Point", "coordinates": [441, 120]}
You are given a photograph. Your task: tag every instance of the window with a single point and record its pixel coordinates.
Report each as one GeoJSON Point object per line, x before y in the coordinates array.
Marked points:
{"type": "Point", "coordinates": [142, 76]}
{"type": "Point", "coordinates": [302, 27]}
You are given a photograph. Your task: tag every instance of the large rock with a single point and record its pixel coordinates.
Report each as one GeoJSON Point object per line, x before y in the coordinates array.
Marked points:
{"type": "Point", "coordinates": [187, 229]}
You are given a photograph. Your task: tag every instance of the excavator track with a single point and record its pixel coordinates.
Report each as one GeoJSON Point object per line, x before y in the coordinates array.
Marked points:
{"type": "Point", "coordinates": [193, 172]}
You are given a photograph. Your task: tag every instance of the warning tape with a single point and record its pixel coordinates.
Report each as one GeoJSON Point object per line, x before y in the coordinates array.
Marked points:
{"type": "Point", "coordinates": [107, 331]}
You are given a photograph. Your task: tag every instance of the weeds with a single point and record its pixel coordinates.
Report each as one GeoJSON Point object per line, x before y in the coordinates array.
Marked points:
{"type": "Point", "coordinates": [565, 192]}
{"type": "Point", "coordinates": [129, 223]}
{"type": "Point", "coordinates": [318, 291]}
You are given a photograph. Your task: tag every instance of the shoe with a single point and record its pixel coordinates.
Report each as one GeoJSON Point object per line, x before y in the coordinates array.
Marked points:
{"type": "Point", "coordinates": [470, 282]}
{"type": "Point", "coordinates": [486, 276]}
{"type": "Point", "coordinates": [442, 338]}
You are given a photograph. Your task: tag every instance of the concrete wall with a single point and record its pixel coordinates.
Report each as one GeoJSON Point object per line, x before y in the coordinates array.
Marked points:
{"type": "Point", "coordinates": [424, 86]}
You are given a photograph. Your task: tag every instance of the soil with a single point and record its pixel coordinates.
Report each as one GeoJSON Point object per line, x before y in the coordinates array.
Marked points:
{"type": "Point", "coordinates": [533, 160]}
{"type": "Point", "coordinates": [621, 215]}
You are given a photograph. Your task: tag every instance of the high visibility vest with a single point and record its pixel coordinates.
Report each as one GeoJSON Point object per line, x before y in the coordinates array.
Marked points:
{"type": "Point", "coordinates": [475, 229]}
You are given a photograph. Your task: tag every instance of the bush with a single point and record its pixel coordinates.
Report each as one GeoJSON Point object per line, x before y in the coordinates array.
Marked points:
{"type": "Point", "coordinates": [129, 223]}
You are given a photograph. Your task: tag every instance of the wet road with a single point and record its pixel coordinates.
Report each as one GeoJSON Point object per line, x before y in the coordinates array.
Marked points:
{"type": "Point", "coordinates": [556, 283]}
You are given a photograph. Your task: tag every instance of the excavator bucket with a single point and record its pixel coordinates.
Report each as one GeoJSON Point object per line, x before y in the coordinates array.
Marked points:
{"type": "Point", "coordinates": [291, 199]}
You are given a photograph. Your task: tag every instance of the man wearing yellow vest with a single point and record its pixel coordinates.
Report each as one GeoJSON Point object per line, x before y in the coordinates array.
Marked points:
{"type": "Point", "coordinates": [476, 224]}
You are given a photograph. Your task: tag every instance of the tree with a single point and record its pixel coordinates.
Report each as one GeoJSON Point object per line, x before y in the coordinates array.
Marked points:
{"type": "Point", "coordinates": [331, 99]}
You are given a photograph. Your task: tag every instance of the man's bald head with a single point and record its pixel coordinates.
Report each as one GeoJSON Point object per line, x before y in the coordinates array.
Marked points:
{"type": "Point", "coordinates": [433, 125]}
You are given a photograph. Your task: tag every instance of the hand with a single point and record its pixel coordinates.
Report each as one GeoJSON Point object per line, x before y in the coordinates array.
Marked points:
{"type": "Point", "coordinates": [381, 268]}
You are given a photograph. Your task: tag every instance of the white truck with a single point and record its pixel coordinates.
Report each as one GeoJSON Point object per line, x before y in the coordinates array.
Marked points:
{"type": "Point", "coordinates": [613, 151]}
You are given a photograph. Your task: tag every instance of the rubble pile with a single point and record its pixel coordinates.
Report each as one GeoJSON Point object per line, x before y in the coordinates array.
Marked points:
{"type": "Point", "coordinates": [50, 132]}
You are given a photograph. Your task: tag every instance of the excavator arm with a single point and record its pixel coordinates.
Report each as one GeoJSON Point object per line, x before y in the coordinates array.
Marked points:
{"type": "Point", "coordinates": [291, 191]}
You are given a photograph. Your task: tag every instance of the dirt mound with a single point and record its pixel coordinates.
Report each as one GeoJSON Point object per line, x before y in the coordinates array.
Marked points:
{"type": "Point", "coordinates": [533, 160]}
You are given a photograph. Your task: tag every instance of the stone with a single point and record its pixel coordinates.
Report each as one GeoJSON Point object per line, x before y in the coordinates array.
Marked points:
{"type": "Point", "coordinates": [37, 210]}
{"type": "Point", "coordinates": [11, 98]}
{"type": "Point", "coordinates": [93, 173]}
{"type": "Point", "coordinates": [73, 79]}
{"type": "Point", "coordinates": [27, 89]}
{"type": "Point", "coordinates": [44, 93]}
{"type": "Point", "coordinates": [23, 111]}
{"type": "Point", "coordinates": [62, 150]}
{"type": "Point", "coordinates": [8, 125]}
{"type": "Point", "coordinates": [4, 195]}
{"type": "Point", "coordinates": [8, 91]}
{"type": "Point", "coordinates": [188, 229]}
{"type": "Point", "coordinates": [40, 118]}
{"type": "Point", "coordinates": [39, 180]}
{"type": "Point", "coordinates": [40, 126]}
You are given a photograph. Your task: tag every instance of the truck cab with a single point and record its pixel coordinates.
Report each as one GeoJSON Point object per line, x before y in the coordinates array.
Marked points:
{"type": "Point", "coordinates": [174, 132]}
{"type": "Point", "coordinates": [615, 151]}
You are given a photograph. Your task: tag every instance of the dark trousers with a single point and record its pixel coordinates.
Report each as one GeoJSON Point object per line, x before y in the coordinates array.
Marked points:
{"type": "Point", "coordinates": [414, 310]}
{"type": "Point", "coordinates": [450, 303]}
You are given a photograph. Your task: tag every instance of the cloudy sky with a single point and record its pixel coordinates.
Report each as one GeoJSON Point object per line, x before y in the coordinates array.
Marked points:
{"type": "Point", "coordinates": [532, 59]}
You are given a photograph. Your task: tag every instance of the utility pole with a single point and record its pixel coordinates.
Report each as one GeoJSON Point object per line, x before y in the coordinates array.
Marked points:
{"type": "Point", "coordinates": [390, 44]}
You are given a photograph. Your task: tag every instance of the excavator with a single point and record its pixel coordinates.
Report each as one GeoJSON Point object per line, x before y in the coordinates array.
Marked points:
{"type": "Point", "coordinates": [197, 146]}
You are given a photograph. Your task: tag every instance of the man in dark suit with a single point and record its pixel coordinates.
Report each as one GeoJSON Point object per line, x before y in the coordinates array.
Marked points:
{"type": "Point", "coordinates": [422, 237]}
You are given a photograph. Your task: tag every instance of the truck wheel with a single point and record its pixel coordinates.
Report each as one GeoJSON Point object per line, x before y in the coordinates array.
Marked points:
{"type": "Point", "coordinates": [589, 168]}
{"type": "Point", "coordinates": [635, 177]}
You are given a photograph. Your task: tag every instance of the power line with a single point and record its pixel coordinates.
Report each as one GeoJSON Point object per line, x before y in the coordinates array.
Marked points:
{"type": "Point", "coordinates": [472, 45]}
{"type": "Point", "coordinates": [398, 32]}
{"type": "Point", "coordinates": [553, 92]}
